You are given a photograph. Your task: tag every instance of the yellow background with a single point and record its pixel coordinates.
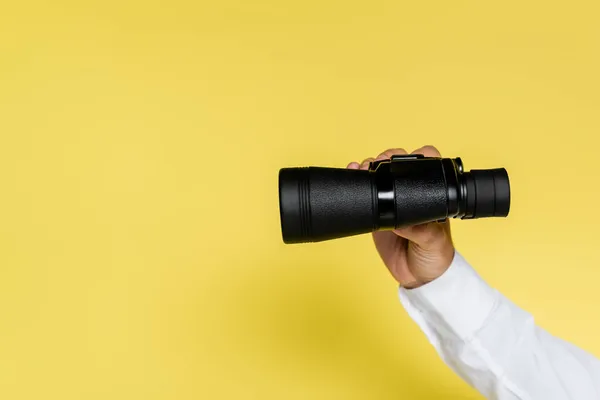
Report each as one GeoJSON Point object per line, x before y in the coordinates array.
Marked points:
{"type": "Point", "coordinates": [140, 141]}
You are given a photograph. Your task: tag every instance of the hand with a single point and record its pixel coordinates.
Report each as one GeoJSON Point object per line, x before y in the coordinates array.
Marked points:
{"type": "Point", "coordinates": [417, 254]}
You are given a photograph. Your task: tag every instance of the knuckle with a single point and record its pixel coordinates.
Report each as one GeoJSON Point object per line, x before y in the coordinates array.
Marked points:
{"type": "Point", "coordinates": [391, 152]}
{"type": "Point", "coordinates": [431, 150]}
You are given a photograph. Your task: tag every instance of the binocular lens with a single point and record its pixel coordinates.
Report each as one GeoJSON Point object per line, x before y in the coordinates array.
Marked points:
{"type": "Point", "coordinates": [318, 203]}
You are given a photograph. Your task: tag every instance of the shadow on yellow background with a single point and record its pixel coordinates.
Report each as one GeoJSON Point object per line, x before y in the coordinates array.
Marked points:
{"type": "Point", "coordinates": [140, 251]}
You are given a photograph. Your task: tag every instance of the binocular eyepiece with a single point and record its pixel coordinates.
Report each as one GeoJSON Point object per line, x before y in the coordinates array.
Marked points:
{"type": "Point", "coordinates": [318, 203]}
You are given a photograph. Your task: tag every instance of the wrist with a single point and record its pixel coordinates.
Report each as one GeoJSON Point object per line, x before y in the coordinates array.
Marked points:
{"type": "Point", "coordinates": [429, 265]}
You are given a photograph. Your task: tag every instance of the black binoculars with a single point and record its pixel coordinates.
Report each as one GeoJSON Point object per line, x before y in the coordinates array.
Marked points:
{"type": "Point", "coordinates": [318, 203]}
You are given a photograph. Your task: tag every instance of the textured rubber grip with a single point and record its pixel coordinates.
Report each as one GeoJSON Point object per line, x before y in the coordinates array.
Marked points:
{"type": "Point", "coordinates": [319, 204]}
{"type": "Point", "coordinates": [421, 192]}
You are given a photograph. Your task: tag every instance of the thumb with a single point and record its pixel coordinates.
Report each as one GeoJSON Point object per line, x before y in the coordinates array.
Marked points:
{"type": "Point", "coordinates": [427, 236]}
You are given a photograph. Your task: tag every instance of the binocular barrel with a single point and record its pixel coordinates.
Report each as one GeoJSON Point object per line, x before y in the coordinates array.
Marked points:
{"type": "Point", "coordinates": [318, 203]}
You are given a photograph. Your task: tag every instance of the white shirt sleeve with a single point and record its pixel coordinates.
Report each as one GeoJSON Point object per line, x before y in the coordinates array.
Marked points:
{"type": "Point", "coordinates": [494, 345]}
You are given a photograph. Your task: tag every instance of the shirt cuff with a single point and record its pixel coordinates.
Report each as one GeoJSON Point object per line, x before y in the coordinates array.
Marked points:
{"type": "Point", "coordinates": [459, 301]}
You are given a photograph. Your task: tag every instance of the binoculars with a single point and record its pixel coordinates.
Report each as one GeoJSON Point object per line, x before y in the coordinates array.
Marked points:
{"type": "Point", "coordinates": [318, 203]}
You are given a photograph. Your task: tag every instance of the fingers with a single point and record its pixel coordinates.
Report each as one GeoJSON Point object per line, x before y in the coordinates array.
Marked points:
{"type": "Point", "coordinates": [384, 155]}
{"type": "Point", "coordinates": [428, 236]}
{"type": "Point", "coordinates": [366, 162]}
{"type": "Point", "coordinates": [363, 165]}
{"type": "Point", "coordinates": [427, 151]}
{"type": "Point", "coordinates": [390, 152]}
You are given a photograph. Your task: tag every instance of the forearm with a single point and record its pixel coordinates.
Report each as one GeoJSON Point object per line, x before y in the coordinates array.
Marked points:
{"type": "Point", "coordinates": [494, 345]}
